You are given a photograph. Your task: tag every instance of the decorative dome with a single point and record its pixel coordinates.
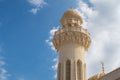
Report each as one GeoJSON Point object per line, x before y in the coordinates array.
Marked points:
{"type": "Point", "coordinates": [101, 75]}
{"type": "Point", "coordinates": [97, 76]}
{"type": "Point", "coordinates": [71, 13]}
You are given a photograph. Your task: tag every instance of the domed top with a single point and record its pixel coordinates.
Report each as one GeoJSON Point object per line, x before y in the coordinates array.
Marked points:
{"type": "Point", "coordinates": [101, 75]}
{"type": "Point", "coordinates": [71, 13]}
{"type": "Point", "coordinates": [97, 76]}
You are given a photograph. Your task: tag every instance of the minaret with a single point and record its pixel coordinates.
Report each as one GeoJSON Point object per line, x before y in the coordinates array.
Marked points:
{"type": "Point", "coordinates": [71, 41]}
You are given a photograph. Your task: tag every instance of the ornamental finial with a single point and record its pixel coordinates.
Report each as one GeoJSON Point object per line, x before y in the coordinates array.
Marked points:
{"type": "Point", "coordinates": [102, 67]}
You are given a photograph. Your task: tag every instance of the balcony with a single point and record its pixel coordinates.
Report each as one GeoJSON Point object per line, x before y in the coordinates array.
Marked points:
{"type": "Point", "coordinates": [76, 29]}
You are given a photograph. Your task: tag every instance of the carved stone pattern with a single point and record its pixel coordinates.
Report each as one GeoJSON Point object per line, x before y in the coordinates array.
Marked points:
{"type": "Point", "coordinates": [72, 37]}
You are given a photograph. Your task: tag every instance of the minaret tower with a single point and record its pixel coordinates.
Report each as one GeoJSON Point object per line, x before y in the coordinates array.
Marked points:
{"type": "Point", "coordinates": [71, 41]}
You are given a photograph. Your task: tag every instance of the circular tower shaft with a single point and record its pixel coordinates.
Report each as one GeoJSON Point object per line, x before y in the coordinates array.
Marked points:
{"type": "Point", "coordinates": [71, 41]}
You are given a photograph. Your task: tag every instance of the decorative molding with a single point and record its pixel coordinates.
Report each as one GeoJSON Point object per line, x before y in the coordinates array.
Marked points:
{"type": "Point", "coordinates": [77, 35]}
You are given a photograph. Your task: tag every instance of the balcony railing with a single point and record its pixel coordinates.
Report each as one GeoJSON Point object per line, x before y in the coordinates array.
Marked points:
{"type": "Point", "coordinates": [78, 29]}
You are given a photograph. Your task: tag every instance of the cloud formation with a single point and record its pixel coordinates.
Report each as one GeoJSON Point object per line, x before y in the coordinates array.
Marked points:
{"type": "Point", "coordinates": [3, 72]}
{"type": "Point", "coordinates": [49, 40]}
{"type": "Point", "coordinates": [37, 5]}
{"type": "Point", "coordinates": [54, 67]}
{"type": "Point", "coordinates": [102, 20]}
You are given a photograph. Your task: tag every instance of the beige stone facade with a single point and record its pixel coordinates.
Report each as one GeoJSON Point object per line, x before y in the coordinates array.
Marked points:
{"type": "Point", "coordinates": [71, 41]}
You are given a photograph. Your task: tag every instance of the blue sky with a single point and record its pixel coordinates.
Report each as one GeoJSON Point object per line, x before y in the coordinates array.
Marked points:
{"type": "Point", "coordinates": [26, 28]}
{"type": "Point", "coordinates": [22, 38]}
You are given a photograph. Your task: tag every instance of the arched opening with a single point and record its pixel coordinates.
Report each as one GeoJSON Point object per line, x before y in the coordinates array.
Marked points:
{"type": "Point", "coordinates": [85, 71]}
{"type": "Point", "coordinates": [59, 71]}
{"type": "Point", "coordinates": [79, 69]}
{"type": "Point", "coordinates": [68, 70]}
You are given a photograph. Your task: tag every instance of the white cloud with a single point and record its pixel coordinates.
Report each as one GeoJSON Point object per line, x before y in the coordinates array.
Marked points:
{"type": "Point", "coordinates": [102, 19]}
{"type": "Point", "coordinates": [55, 60]}
{"type": "Point", "coordinates": [34, 10]}
{"type": "Point", "coordinates": [103, 23]}
{"type": "Point", "coordinates": [49, 40]}
{"type": "Point", "coordinates": [3, 72]}
{"type": "Point", "coordinates": [54, 67]}
{"type": "Point", "coordinates": [37, 5]}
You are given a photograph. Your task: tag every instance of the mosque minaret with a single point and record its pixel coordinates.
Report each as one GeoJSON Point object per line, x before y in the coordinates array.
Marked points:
{"type": "Point", "coordinates": [71, 41]}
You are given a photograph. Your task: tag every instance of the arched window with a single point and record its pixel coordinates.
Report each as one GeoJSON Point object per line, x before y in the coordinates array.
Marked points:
{"type": "Point", "coordinates": [59, 71]}
{"type": "Point", "coordinates": [79, 69]}
{"type": "Point", "coordinates": [85, 71]}
{"type": "Point", "coordinates": [68, 70]}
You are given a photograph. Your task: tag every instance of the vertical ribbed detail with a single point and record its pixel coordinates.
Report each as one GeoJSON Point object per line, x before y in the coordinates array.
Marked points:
{"type": "Point", "coordinates": [62, 71]}
{"type": "Point", "coordinates": [75, 70]}
{"type": "Point", "coordinates": [68, 70]}
{"type": "Point", "coordinates": [79, 70]}
{"type": "Point", "coordinates": [85, 71]}
{"type": "Point", "coordinates": [59, 72]}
